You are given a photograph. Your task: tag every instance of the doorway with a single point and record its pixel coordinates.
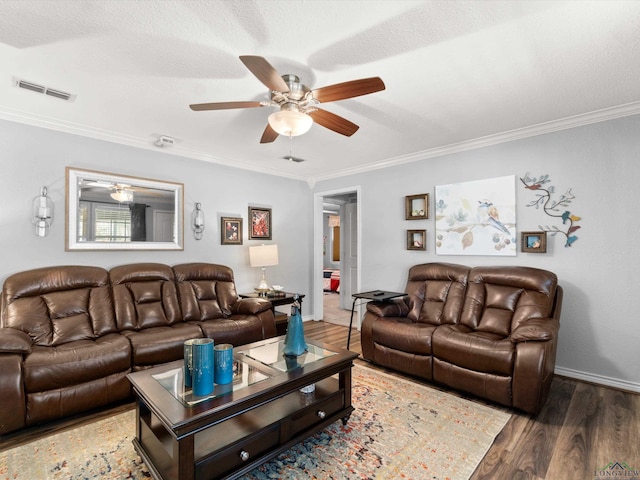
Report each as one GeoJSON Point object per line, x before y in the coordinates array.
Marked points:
{"type": "Point", "coordinates": [336, 254]}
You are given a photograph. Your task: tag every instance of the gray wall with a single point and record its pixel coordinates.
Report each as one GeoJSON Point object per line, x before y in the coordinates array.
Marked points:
{"type": "Point", "coordinates": [32, 157]}
{"type": "Point", "coordinates": [599, 336]}
{"type": "Point", "coordinates": [599, 339]}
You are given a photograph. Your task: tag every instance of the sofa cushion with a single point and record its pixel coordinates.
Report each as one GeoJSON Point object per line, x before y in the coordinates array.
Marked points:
{"type": "Point", "coordinates": [236, 330]}
{"type": "Point", "coordinates": [156, 345]}
{"type": "Point", "coordinates": [499, 299]}
{"type": "Point", "coordinates": [402, 334]}
{"type": "Point", "coordinates": [56, 305]}
{"type": "Point", "coordinates": [206, 291]}
{"type": "Point", "coordinates": [144, 296]}
{"type": "Point", "coordinates": [436, 292]}
{"type": "Point", "coordinates": [474, 350]}
{"type": "Point", "coordinates": [73, 363]}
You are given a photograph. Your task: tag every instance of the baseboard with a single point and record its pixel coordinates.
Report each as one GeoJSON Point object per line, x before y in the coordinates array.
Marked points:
{"type": "Point", "coordinates": [598, 379]}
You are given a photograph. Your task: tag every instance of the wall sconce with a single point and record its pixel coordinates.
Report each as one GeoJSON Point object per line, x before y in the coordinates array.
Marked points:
{"type": "Point", "coordinates": [263, 256]}
{"type": "Point", "coordinates": [42, 217]}
{"type": "Point", "coordinates": [197, 222]}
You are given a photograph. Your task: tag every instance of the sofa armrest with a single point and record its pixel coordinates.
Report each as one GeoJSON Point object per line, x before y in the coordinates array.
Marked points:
{"type": "Point", "coordinates": [14, 341]}
{"type": "Point", "coordinates": [393, 308]}
{"type": "Point", "coordinates": [250, 306]}
{"type": "Point", "coordinates": [13, 414]}
{"type": "Point", "coordinates": [535, 330]}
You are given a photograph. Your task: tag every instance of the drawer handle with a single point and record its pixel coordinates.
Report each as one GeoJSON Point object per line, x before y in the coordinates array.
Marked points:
{"type": "Point", "coordinates": [321, 414]}
{"type": "Point", "coordinates": [244, 455]}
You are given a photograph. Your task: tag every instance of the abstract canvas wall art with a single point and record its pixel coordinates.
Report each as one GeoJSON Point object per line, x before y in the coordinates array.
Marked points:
{"type": "Point", "coordinates": [477, 217]}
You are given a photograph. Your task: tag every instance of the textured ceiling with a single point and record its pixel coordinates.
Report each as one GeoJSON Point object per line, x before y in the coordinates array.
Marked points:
{"type": "Point", "coordinates": [458, 74]}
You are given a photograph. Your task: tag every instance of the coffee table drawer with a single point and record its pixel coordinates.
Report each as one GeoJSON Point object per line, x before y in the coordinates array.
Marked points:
{"type": "Point", "coordinates": [237, 454]}
{"type": "Point", "coordinates": [316, 413]}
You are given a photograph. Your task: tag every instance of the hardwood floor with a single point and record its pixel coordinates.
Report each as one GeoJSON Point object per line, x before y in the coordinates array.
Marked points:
{"type": "Point", "coordinates": [583, 427]}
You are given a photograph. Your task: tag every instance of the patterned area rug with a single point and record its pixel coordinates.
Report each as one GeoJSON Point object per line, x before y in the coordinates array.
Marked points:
{"type": "Point", "coordinates": [400, 429]}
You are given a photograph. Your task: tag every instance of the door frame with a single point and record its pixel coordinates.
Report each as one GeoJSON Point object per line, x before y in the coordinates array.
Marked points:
{"type": "Point", "coordinates": [317, 290]}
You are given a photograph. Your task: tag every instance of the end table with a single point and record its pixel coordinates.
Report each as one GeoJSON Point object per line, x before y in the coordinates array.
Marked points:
{"type": "Point", "coordinates": [282, 298]}
{"type": "Point", "coordinates": [374, 295]}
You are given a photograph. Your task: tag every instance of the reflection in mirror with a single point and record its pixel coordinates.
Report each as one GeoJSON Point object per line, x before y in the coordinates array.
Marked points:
{"type": "Point", "coordinates": [116, 212]}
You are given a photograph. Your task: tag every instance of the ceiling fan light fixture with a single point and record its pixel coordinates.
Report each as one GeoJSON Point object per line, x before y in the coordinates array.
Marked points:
{"type": "Point", "coordinates": [290, 123]}
{"type": "Point", "coordinates": [123, 196]}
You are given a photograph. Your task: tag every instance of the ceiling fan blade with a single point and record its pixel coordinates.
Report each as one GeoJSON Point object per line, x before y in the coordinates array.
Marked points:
{"type": "Point", "coordinates": [351, 89]}
{"type": "Point", "coordinates": [265, 72]}
{"type": "Point", "coordinates": [334, 122]}
{"type": "Point", "coordinates": [198, 107]}
{"type": "Point", "coordinates": [269, 135]}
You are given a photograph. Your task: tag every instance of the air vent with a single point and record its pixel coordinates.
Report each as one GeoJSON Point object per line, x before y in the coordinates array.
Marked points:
{"type": "Point", "coordinates": [58, 94]}
{"type": "Point", "coordinates": [31, 86]}
{"type": "Point", "coordinates": [52, 92]}
{"type": "Point", "coordinates": [291, 158]}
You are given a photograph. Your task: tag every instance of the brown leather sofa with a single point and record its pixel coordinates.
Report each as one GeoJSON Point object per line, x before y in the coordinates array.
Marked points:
{"type": "Point", "coordinates": [488, 331]}
{"type": "Point", "coordinates": [70, 335]}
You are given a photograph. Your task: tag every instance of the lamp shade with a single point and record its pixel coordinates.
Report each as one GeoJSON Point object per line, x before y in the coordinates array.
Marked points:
{"type": "Point", "coordinates": [263, 255]}
{"type": "Point", "coordinates": [290, 122]}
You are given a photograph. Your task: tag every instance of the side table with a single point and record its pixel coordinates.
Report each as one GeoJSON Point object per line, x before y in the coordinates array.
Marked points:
{"type": "Point", "coordinates": [374, 295]}
{"type": "Point", "coordinates": [283, 298]}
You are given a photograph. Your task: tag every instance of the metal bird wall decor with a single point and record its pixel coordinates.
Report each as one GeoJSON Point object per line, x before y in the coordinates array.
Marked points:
{"type": "Point", "coordinates": [554, 208]}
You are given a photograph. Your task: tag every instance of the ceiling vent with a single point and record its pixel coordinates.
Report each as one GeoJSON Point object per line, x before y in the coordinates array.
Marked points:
{"type": "Point", "coordinates": [52, 92]}
{"type": "Point", "coordinates": [291, 158]}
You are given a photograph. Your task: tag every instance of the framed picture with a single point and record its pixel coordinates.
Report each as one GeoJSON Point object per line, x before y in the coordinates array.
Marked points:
{"type": "Point", "coordinates": [416, 239]}
{"type": "Point", "coordinates": [259, 223]}
{"type": "Point", "coordinates": [231, 231]}
{"type": "Point", "coordinates": [416, 207]}
{"type": "Point", "coordinates": [534, 242]}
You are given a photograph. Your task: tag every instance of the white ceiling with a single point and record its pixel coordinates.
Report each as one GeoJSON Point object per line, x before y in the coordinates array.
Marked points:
{"type": "Point", "coordinates": [458, 74]}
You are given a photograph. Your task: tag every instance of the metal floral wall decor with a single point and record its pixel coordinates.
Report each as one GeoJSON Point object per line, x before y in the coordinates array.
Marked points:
{"type": "Point", "coordinates": [477, 217]}
{"type": "Point", "coordinates": [556, 208]}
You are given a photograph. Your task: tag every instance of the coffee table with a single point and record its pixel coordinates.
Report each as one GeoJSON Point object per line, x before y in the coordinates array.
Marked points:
{"type": "Point", "coordinates": [243, 424]}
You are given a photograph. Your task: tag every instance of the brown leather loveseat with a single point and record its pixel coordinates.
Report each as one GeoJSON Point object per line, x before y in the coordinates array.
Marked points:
{"type": "Point", "coordinates": [70, 335]}
{"type": "Point", "coordinates": [489, 331]}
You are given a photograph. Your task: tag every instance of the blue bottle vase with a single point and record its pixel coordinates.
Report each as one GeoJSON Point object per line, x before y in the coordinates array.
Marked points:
{"type": "Point", "coordinates": [294, 343]}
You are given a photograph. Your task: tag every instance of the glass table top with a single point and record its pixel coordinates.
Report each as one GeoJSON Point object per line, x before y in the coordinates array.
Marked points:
{"type": "Point", "coordinates": [271, 355]}
{"type": "Point", "coordinates": [243, 376]}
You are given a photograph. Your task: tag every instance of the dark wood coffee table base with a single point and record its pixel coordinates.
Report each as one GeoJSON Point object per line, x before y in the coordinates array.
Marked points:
{"type": "Point", "coordinates": [252, 432]}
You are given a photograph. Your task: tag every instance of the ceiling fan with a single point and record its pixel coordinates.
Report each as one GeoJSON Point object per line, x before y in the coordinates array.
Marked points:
{"type": "Point", "coordinates": [122, 192]}
{"type": "Point", "coordinates": [298, 104]}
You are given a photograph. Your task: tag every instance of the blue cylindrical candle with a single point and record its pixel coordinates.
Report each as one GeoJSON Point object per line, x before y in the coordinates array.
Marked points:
{"type": "Point", "coordinates": [223, 363]}
{"type": "Point", "coordinates": [202, 355]}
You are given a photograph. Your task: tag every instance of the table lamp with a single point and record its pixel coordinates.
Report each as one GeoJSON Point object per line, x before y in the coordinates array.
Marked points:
{"type": "Point", "coordinates": [263, 256]}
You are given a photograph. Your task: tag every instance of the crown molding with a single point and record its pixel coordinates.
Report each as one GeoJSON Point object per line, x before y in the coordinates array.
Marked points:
{"type": "Point", "coordinates": [129, 140]}
{"type": "Point", "coordinates": [597, 116]}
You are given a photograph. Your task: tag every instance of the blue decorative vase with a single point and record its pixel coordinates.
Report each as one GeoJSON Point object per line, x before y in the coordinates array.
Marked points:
{"type": "Point", "coordinates": [202, 358]}
{"type": "Point", "coordinates": [223, 363]}
{"type": "Point", "coordinates": [294, 343]}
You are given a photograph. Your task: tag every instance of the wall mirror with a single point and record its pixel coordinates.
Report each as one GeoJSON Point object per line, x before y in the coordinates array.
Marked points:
{"type": "Point", "coordinates": [106, 211]}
